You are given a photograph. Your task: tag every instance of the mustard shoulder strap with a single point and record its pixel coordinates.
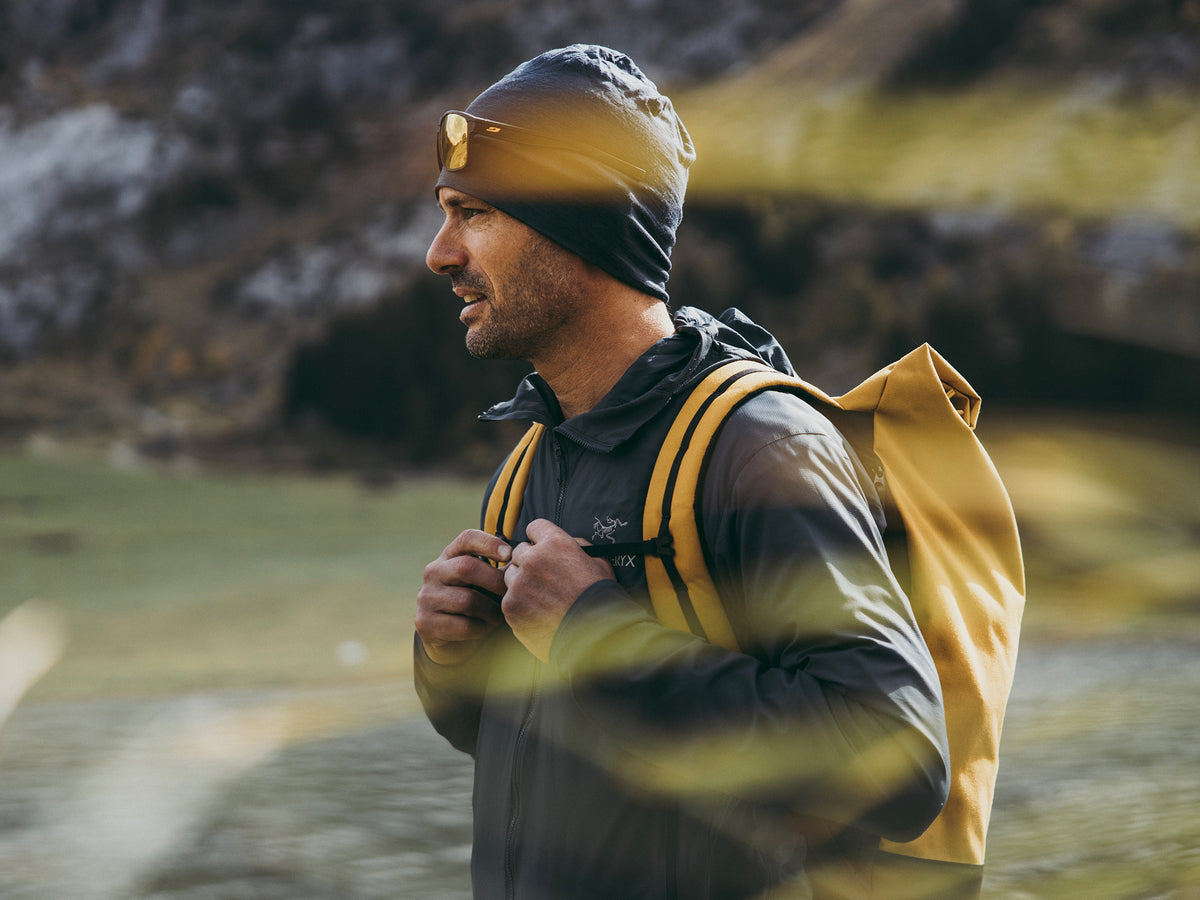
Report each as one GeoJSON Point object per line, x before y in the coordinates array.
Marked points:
{"type": "Point", "coordinates": [504, 503]}
{"type": "Point", "coordinates": [681, 588]}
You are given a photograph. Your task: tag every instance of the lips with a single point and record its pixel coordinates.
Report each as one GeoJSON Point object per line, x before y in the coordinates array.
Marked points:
{"type": "Point", "coordinates": [468, 289]}
{"type": "Point", "coordinates": [471, 290]}
{"type": "Point", "coordinates": [471, 301]}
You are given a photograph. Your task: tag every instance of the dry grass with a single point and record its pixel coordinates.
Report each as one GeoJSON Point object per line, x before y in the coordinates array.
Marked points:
{"type": "Point", "coordinates": [174, 579]}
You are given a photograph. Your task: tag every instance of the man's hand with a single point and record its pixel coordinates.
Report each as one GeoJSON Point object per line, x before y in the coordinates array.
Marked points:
{"type": "Point", "coordinates": [547, 573]}
{"type": "Point", "coordinates": [459, 602]}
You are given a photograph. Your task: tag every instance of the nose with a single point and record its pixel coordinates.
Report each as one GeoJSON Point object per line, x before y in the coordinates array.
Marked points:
{"type": "Point", "coordinates": [446, 253]}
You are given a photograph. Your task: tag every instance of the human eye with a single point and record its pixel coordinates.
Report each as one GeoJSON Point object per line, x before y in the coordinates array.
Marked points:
{"type": "Point", "coordinates": [462, 209]}
{"type": "Point", "coordinates": [473, 209]}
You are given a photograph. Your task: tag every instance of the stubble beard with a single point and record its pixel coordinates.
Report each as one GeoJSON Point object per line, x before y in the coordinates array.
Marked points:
{"type": "Point", "coordinates": [540, 295]}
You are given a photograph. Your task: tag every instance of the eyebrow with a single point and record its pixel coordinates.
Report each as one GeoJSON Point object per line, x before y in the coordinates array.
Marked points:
{"type": "Point", "coordinates": [456, 200]}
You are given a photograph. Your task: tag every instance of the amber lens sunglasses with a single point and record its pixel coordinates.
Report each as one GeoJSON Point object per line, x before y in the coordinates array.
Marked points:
{"type": "Point", "coordinates": [456, 130]}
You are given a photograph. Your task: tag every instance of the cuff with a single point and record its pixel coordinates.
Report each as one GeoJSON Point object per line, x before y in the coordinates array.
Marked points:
{"type": "Point", "coordinates": [598, 615]}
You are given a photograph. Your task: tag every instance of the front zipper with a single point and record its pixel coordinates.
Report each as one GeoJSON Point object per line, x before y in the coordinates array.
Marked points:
{"type": "Point", "coordinates": [560, 475]}
{"type": "Point", "coordinates": [510, 836]}
{"type": "Point", "coordinates": [671, 852]}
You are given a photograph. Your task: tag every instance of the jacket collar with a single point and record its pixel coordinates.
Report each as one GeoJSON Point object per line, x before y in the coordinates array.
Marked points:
{"type": "Point", "coordinates": [672, 365]}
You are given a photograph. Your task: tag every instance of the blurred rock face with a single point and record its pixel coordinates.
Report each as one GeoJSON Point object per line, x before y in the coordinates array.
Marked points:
{"type": "Point", "coordinates": [139, 138]}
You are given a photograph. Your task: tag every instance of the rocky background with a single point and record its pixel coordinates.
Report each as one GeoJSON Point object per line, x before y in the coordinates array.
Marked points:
{"type": "Point", "coordinates": [213, 215]}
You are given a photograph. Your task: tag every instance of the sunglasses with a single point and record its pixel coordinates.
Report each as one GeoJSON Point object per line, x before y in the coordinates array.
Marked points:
{"type": "Point", "coordinates": [456, 129]}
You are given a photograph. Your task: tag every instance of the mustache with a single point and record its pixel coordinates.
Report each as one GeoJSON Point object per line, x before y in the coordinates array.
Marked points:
{"type": "Point", "coordinates": [468, 281]}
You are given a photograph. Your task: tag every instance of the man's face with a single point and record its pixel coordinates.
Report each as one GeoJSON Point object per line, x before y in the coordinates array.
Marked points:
{"type": "Point", "coordinates": [520, 289]}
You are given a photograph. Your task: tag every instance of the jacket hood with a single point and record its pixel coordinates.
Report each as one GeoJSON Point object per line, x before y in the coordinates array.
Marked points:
{"type": "Point", "coordinates": [672, 365]}
{"type": "Point", "coordinates": [736, 333]}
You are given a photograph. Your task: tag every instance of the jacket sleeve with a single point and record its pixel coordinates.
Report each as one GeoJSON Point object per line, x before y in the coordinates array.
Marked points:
{"type": "Point", "coordinates": [452, 696]}
{"type": "Point", "coordinates": [832, 706]}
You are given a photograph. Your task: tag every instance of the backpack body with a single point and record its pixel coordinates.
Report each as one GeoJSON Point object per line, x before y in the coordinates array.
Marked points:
{"type": "Point", "coordinates": [954, 545]}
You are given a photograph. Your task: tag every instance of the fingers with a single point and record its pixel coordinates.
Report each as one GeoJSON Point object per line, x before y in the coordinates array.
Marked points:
{"type": "Point", "coordinates": [530, 587]}
{"type": "Point", "coordinates": [541, 530]}
{"type": "Point", "coordinates": [549, 571]}
{"type": "Point", "coordinates": [474, 542]}
{"type": "Point", "coordinates": [468, 562]}
{"type": "Point", "coordinates": [465, 572]}
{"type": "Point", "coordinates": [458, 603]}
{"type": "Point", "coordinates": [439, 628]}
{"type": "Point", "coordinates": [462, 581]}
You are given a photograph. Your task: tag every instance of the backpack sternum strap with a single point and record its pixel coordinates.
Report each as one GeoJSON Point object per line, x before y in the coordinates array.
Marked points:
{"type": "Point", "coordinates": [661, 547]}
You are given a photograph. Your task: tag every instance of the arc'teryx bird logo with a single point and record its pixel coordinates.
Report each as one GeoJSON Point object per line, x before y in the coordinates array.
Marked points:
{"type": "Point", "coordinates": [606, 533]}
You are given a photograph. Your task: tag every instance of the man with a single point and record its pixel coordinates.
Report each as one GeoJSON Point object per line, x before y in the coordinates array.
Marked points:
{"type": "Point", "coordinates": [616, 757]}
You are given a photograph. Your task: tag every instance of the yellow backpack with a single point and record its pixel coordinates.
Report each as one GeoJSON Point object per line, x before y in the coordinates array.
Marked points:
{"type": "Point", "coordinates": [913, 423]}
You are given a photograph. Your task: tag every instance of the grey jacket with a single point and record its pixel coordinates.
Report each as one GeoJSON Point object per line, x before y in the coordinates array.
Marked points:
{"type": "Point", "coordinates": [643, 762]}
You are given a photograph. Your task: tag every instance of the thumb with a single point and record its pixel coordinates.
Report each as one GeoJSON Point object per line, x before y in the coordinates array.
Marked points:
{"type": "Point", "coordinates": [542, 530]}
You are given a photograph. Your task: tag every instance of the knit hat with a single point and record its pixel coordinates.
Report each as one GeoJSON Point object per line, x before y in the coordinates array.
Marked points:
{"type": "Point", "coordinates": [620, 215]}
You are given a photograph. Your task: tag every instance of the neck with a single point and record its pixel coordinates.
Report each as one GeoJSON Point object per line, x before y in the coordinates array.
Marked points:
{"type": "Point", "coordinates": [601, 349]}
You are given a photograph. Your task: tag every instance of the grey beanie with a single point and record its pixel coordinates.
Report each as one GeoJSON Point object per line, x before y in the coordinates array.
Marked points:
{"type": "Point", "coordinates": [587, 98]}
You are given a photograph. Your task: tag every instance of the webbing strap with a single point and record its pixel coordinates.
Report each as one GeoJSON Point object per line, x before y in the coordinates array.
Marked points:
{"type": "Point", "coordinates": [504, 504]}
{"type": "Point", "coordinates": [657, 548]}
